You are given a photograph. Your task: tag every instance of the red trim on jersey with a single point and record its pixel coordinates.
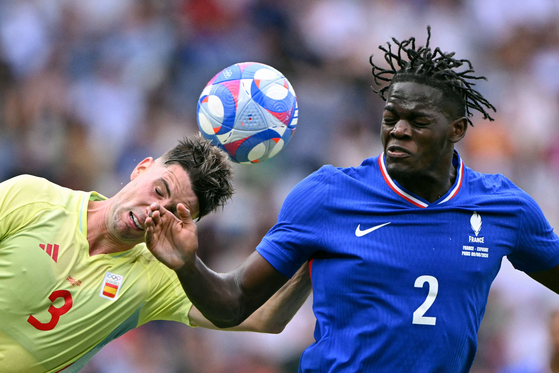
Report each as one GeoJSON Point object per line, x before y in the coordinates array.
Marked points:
{"type": "Point", "coordinates": [409, 197]}
{"type": "Point", "coordinates": [460, 177]}
{"type": "Point", "coordinates": [310, 269]}
{"type": "Point", "coordinates": [395, 188]}
{"type": "Point", "coordinates": [58, 371]}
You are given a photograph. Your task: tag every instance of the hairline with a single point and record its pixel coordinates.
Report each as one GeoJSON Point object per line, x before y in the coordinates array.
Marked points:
{"type": "Point", "coordinates": [443, 104]}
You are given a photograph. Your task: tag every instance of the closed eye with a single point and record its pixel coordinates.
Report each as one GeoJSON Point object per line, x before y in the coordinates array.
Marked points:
{"type": "Point", "coordinates": [389, 121]}
{"type": "Point", "coordinates": [421, 122]}
{"type": "Point", "coordinates": [158, 192]}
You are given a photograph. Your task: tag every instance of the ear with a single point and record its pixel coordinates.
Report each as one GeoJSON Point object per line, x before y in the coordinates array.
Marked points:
{"type": "Point", "coordinates": [457, 129]}
{"type": "Point", "coordinates": [141, 167]}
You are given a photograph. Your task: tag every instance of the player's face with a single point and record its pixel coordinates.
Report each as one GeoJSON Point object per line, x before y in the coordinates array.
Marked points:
{"type": "Point", "coordinates": [417, 135]}
{"type": "Point", "coordinates": [151, 181]}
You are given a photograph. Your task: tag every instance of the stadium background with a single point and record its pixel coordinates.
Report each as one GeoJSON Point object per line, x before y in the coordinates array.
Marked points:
{"type": "Point", "coordinates": [89, 88]}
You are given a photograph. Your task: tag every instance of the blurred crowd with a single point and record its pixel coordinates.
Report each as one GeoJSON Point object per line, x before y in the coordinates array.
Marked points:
{"type": "Point", "coordinates": [89, 88]}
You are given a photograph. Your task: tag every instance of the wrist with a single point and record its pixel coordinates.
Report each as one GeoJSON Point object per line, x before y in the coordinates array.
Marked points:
{"type": "Point", "coordinates": [188, 267]}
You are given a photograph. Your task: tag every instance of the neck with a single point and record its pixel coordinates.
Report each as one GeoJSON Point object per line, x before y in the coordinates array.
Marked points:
{"type": "Point", "coordinates": [101, 241]}
{"type": "Point", "coordinates": [431, 183]}
{"type": "Point", "coordinates": [428, 187]}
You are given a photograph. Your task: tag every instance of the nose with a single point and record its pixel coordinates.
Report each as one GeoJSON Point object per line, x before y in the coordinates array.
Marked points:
{"type": "Point", "coordinates": [401, 128]}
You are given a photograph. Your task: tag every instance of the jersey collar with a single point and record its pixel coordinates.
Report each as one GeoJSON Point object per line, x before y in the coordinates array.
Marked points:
{"type": "Point", "coordinates": [417, 201]}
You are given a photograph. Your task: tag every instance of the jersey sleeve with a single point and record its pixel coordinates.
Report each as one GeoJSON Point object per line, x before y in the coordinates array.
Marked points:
{"type": "Point", "coordinates": [16, 193]}
{"type": "Point", "coordinates": [298, 233]}
{"type": "Point", "coordinates": [166, 298]}
{"type": "Point", "coordinates": [537, 248]}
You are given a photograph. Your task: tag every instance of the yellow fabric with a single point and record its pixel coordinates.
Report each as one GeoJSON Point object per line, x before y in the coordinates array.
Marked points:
{"type": "Point", "coordinates": [41, 222]}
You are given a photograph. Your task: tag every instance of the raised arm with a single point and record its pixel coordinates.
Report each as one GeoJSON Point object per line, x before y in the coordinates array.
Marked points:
{"type": "Point", "coordinates": [276, 313]}
{"type": "Point", "coordinates": [224, 299]}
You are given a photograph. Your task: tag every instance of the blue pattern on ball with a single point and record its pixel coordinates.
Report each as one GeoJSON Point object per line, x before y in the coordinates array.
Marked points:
{"type": "Point", "coordinates": [254, 126]}
{"type": "Point", "coordinates": [231, 73]}
{"type": "Point", "coordinates": [268, 103]}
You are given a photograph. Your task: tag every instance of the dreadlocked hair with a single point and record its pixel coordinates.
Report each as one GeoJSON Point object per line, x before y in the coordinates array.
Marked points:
{"type": "Point", "coordinates": [209, 170]}
{"type": "Point", "coordinates": [433, 68]}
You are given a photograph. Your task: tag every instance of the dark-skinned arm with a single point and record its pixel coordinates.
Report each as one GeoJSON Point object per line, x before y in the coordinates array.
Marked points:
{"type": "Point", "coordinates": [548, 278]}
{"type": "Point", "coordinates": [224, 299]}
{"type": "Point", "coordinates": [228, 299]}
{"type": "Point", "coordinates": [276, 313]}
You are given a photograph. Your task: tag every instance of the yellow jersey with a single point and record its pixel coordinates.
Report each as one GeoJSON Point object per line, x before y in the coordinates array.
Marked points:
{"type": "Point", "coordinates": [59, 305]}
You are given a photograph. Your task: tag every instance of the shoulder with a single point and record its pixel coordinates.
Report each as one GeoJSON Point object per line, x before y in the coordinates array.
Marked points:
{"type": "Point", "coordinates": [314, 186]}
{"type": "Point", "coordinates": [331, 175]}
{"type": "Point", "coordinates": [309, 193]}
{"type": "Point", "coordinates": [25, 181]}
{"type": "Point", "coordinates": [495, 183]}
{"type": "Point", "coordinates": [497, 187]}
{"type": "Point", "coordinates": [32, 186]}
{"type": "Point", "coordinates": [24, 190]}
{"type": "Point", "coordinates": [320, 188]}
{"type": "Point", "coordinates": [30, 195]}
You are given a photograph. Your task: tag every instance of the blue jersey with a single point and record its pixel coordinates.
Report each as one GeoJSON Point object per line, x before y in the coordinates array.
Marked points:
{"type": "Point", "coordinates": [401, 284]}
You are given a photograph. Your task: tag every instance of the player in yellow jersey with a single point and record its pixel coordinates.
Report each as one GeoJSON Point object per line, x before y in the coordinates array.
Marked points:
{"type": "Point", "coordinates": [75, 272]}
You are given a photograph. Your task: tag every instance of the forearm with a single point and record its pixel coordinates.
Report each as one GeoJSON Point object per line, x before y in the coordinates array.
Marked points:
{"type": "Point", "coordinates": [278, 311]}
{"type": "Point", "coordinates": [217, 296]}
{"type": "Point", "coordinates": [227, 300]}
{"type": "Point", "coordinates": [275, 314]}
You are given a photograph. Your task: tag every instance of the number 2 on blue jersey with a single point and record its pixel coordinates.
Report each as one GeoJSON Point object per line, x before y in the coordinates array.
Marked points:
{"type": "Point", "coordinates": [418, 317]}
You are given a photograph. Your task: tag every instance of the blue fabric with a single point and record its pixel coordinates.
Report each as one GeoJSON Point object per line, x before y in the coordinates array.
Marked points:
{"type": "Point", "coordinates": [368, 288]}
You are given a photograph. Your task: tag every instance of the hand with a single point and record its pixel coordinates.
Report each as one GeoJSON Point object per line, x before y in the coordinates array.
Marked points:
{"type": "Point", "coordinates": [173, 241]}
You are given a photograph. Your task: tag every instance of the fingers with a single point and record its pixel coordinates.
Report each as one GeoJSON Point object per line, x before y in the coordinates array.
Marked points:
{"type": "Point", "coordinates": [149, 235]}
{"type": "Point", "coordinates": [156, 213]}
{"type": "Point", "coordinates": [153, 218]}
{"type": "Point", "coordinates": [149, 226]}
{"type": "Point", "coordinates": [182, 212]}
{"type": "Point", "coordinates": [151, 221]}
{"type": "Point", "coordinates": [156, 207]}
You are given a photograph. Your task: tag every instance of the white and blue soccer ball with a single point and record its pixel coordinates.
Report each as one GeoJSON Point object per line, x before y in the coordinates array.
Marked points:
{"type": "Point", "coordinates": [250, 110]}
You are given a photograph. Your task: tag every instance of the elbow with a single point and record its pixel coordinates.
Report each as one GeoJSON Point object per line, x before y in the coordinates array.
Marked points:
{"type": "Point", "coordinates": [269, 327]}
{"type": "Point", "coordinates": [224, 324]}
{"type": "Point", "coordinates": [233, 319]}
{"type": "Point", "coordinates": [275, 329]}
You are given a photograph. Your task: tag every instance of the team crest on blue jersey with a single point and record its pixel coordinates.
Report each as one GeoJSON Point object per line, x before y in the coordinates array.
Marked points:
{"type": "Point", "coordinates": [476, 244]}
{"type": "Point", "coordinates": [475, 222]}
{"type": "Point", "coordinates": [111, 286]}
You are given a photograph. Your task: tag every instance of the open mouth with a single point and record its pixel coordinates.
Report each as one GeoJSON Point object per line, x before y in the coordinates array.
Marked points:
{"type": "Point", "coordinates": [135, 221]}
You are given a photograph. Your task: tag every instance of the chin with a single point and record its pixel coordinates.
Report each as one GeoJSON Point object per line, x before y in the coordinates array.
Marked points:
{"type": "Point", "coordinates": [400, 171]}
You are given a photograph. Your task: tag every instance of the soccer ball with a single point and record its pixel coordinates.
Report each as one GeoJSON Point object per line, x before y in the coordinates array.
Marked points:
{"type": "Point", "coordinates": [250, 110]}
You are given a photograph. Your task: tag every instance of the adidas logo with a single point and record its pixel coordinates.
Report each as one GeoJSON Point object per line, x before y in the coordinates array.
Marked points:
{"type": "Point", "coordinates": [51, 250]}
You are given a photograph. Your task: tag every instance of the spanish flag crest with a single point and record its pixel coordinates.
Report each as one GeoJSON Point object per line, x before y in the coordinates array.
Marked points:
{"type": "Point", "coordinates": [111, 286]}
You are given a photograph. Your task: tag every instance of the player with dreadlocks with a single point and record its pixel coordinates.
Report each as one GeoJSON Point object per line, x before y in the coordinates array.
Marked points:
{"type": "Point", "coordinates": [402, 249]}
{"type": "Point", "coordinates": [435, 69]}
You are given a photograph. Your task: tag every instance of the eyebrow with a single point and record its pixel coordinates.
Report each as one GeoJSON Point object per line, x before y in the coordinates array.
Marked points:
{"type": "Point", "coordinates": [390, 109]}
{"type": "Point", "coordinates": [414, 113]}
{"type": "Point", "coordinates": [166, 184]}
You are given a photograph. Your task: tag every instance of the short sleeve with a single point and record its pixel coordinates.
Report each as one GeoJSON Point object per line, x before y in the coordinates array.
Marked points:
{"type": "Point", "coordinates": [17, 193]}
{"type": "Point", "coordinates": [298, 232]}
{"type": "Point", "coordinates": [537, 247]}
